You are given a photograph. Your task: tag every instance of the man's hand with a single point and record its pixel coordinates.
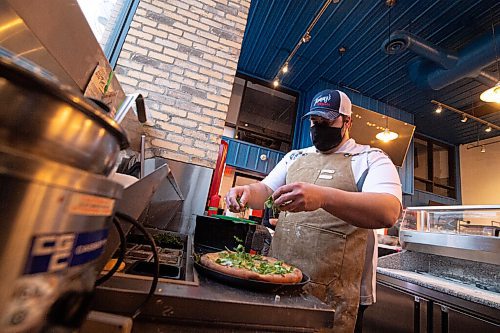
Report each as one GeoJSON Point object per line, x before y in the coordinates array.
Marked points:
{"type": "Point", "coordinates": [237, 198]}
{"type": "Point", "coordinates": [299, 197]}
{"type": "Point", "coordinates": [273, 221]}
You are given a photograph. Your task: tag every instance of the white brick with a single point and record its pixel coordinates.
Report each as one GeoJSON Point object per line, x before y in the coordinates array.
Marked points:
{"type": "Point", "coordinates": [184, 122]}
{"type": "Point", "coordinates": [224, 70]}
{"type": "Point", "coordinates": [180, 40]}
{"type": "Point", "coordinates": [166, 43]}
{"type": "Point", "coordinates": [149, 45]}
{"type": "Point", "coordinates": [127, 80]}
{"type": "Point", "coordinates": [211, 23]}
{"type": "Point", "coordinates": [140, 34]}
{"type": "Point", "coordinates": [155, 32]}
{"type": "Point", "coordinates": [140, 75]}
{"type": "Point", "coordinates": [230, 43]}
{"type": "Point", "coordinates": [170, 29]}
{"type": "Point", "coordinates": [196, 76]}
{"type": "Point", "coordinates": [169, 127]}
{"type": "Point", "coordinates": [198, 25]}
{"type": "Point", "coordinates": [218, 99]}
{"type": "Point", "coordinates": [165, 144]}
{"type": "Point", "coordinates": [145, 21]}
{"type": "Point", "coordinates": [192, 151]}
{"type": "Point", "coordinates": [175, 54]}
{"type": "Point", "coordinates": [155, 71]}
{"type": "Point", "coordinates": [211, 73]}
{"type": "Point", "coordinates": [159, 115]}
{"type": "Point", "coordinates": [173, 111]}
{"type": "Point", "coordinates": [215, 59]}
{"type": "Point", "coordinates": [208, 3]}
{"type": "Point", "coordinates": [129, 64]}
{"type": "Point", "coordinates": [214, 114]}
{"type": "Point", "coordinates": [185, 27]}
{"type": "Point", "coordinates": [152, 8]}
{"type": "Point", "coordinates": [166, 6]}
{"type": "Point", "coordinates": [203, 102]}
{"type": "Point", "coordinates": [183, 79]}
{"type": "Point", "coordinates": [188, 14]}
{"type": "Point", "coordinates": [208, 35]}
{"type": "Point", "coordinates": [179, 138]}
{"type": "Point", "coordinates": [204, 48]}
{"type": "Point", "coordinates": [195, 38]}
{"type": "Point", "coordinates": [161, 57]}
{"type": "Point", "coordinates": [199, 118]}
{"type": "Point", "coordinates": [151, 87]}
{"type": "Point", "coordinates": [200, 61]}
{"type": "Point", "coordinates": [236, 19]}
{"type": "Point", "coordinates": [135, 49]}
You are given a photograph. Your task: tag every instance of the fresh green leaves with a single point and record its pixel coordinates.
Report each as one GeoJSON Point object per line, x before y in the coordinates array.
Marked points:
{"type": "Point", "coordinates": [269, 203]}
{"type": "Point", "coordinates": [256, 263]}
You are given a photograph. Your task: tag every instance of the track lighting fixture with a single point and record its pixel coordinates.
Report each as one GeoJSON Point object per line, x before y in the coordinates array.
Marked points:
{"type": "Point", "coordinates": [464, 119]}
{"type": "Point", "coordinates": [488, 129]}
{"type": "Point", "coordinates": [439, 109]}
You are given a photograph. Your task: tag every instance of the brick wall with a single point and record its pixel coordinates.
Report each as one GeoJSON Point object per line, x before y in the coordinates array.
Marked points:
{"type": "Point", "coordinates": [182, 56]}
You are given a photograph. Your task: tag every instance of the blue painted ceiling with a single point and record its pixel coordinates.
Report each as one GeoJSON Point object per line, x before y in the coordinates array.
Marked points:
{"type": "Point", "coordinates": [275, 27]}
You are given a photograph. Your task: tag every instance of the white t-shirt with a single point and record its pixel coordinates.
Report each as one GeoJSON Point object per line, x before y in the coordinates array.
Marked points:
{"type": "Point", "coordinates": [380, 175]}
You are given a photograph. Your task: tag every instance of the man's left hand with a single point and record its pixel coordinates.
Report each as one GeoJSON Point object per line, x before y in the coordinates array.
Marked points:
{"type": "Point", "coordinates": [298, 197]}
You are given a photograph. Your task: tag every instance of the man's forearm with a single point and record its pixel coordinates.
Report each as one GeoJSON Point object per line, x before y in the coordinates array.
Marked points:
{"type": "Point", "coordinates": [362, 209]}
{"type": "Point", "coordinates": [259, 192]}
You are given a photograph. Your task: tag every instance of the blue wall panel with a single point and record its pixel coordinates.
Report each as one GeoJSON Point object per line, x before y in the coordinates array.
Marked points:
{"type": "Point", "coordinates": [244, 155]}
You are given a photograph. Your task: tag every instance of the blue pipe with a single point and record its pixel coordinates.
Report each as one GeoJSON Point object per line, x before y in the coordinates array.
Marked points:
{"type": "Point", "coordinates": [437, 68]}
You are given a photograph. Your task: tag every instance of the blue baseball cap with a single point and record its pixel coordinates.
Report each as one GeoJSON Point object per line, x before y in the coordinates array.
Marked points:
{"type": "Point", "coordinates": [330, 104]}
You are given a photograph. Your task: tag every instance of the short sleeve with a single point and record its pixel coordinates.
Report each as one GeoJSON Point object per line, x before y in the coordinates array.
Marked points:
{"type": "Point", "coordinates": [382, 176]}
{"type": "Point", "coordinates": [277, 176]}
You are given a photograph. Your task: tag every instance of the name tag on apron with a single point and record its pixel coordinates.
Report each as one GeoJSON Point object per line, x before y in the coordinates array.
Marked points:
{"type": "Point", "coordinates": [326, 174]}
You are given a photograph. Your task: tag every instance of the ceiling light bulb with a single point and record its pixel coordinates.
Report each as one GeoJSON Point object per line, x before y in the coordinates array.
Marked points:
{"type": "Point", "coordinates": [306, 38]}
{"type": "Point", "coordinates": [285, 69]}
{"type": "Point", "coordinates": [439, 109]}
{"type": "Point", "coordinates": [492, 94]}
{"type": "Point", "coordinates": [464, 119]}
{"type": "Point", "coordinates": [276, 83]}
{"type": "Point", "coordinates": [483, 150]}
{"type": "Point", "coordinates": [386, 135]}
{"type": "Point", "coordinates": [488, 129]}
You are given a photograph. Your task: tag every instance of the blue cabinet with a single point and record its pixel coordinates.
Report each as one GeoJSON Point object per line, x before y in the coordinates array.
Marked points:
{"type": "Point", "coordinates": [244, 155]}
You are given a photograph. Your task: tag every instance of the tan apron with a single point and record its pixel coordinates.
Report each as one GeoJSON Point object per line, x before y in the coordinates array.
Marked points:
{"type": "Point", "coordinates": [329, 250]}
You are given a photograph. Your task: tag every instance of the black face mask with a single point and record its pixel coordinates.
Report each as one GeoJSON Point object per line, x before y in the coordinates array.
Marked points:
{"type": "Point", "coordinates": [325, 137]}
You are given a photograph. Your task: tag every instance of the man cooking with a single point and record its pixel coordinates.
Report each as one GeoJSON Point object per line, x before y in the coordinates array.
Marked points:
{"type": "Point", "coordinates": [329, 195]}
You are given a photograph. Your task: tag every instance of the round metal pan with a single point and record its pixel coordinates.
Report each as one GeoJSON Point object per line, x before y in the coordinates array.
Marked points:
{"type": "Point", "coordinates": [253, 285]}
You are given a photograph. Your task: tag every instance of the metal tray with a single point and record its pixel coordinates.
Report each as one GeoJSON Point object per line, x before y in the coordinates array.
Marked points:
{"type": "Point", "coordinates": [253, 285]}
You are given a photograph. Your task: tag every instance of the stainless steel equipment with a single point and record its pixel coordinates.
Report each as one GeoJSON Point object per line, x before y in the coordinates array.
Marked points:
{"type": "Point", "coordinates": [55, 203]}
{"type": "Point", "coordinates": [466, 232]}
{"type": "Point", "coordinates": [43, 118]}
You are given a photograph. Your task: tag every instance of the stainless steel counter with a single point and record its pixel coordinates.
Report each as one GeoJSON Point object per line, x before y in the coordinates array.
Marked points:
{"type": "Point", "coordinates": [214, 304]}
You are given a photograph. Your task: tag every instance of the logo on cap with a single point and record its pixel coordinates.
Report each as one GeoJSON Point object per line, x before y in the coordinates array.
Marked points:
{"type": "Point", "coordinates": [322, 101]}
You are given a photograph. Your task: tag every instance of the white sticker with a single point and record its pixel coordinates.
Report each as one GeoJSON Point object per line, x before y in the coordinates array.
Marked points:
{"type": "Point", "coordinates": [328, 171]}
{"type": "Point", "coordinates": [84, 204]}
{"type": "Point", "coordinates": [325, 177]}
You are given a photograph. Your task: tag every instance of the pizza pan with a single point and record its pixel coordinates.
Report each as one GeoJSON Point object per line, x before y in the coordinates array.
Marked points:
{"type": "Point", "coordinates": [253, 285]}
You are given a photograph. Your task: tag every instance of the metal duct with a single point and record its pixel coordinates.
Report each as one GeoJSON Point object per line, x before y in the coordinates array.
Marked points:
{"type": "Point", "coordinates": [437, 68]}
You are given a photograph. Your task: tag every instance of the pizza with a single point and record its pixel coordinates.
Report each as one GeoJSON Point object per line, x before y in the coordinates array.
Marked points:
{"type": "Point", "coordinates": [251, 266]}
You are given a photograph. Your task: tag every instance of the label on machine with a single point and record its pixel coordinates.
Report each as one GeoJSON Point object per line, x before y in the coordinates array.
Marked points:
{"type": "Point", "coordinates": [55, 252]}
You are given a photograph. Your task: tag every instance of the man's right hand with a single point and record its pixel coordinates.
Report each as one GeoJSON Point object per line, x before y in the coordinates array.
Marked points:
{"type": "Point", "coordinates": [238, 193]}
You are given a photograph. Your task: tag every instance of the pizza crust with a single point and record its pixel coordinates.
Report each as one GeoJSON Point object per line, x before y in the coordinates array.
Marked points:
{"type": "Point", "coordinates": [208, 260]}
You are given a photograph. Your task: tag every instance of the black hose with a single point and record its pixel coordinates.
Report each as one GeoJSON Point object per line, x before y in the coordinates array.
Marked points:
{"type": "Point", "coordinates": [152, 243]}
{"type": "Point", "coordinates": [121, 254]}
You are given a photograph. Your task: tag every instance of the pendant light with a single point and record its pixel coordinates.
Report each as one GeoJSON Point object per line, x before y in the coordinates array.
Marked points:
{"type": "Point", "coordinates": [387, 135]}
{"type": "Point", "coordinates": [493, 94]}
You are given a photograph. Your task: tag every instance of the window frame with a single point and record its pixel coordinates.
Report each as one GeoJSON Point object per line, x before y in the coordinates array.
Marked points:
{"type": "Point", "coordinates": [430, 185]}
{"type": "Point", "coordinates": [269, 85]}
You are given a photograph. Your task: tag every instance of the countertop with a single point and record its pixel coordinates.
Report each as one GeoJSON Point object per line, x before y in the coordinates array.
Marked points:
{"type": "Point", "coordinates": [216, 303]}
{"type": "Point", "coordinates": [459, 278]}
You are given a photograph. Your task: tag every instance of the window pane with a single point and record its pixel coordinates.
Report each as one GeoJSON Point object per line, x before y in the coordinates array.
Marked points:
{"type": "Point", "coordinates": [441, 170]}
{"type": "Point", "coordinates": [266, 117]}
{"type": "Point", "coordinates": [421, 169]}
{"type": "Point", "coordinates": [103, 17]}
{"type": "Point", "coordinates": [420, 185]}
